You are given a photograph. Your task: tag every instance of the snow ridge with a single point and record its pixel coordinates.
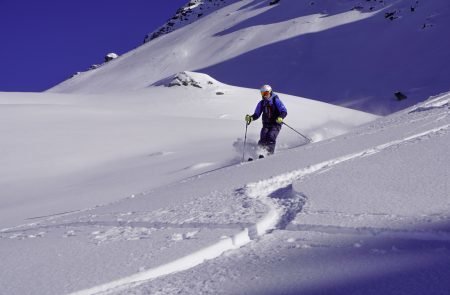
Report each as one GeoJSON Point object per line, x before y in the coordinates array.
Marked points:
{"type": "Point", "coordinates": [181, 264]}
{"type": "Point", "coordinates": [185, 15]}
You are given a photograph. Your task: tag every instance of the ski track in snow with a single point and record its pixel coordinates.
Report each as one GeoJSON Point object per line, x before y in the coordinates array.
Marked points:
{"type": "Point", "coordinates": [199, 166]}
{"type": "Point", "coordinates": [284, 204]}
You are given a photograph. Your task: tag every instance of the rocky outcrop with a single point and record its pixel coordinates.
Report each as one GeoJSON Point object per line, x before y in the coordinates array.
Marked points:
{"type": "Point", "coordinates": [111, 56]}
{"type": "Point", "coordinates": [185, 15]}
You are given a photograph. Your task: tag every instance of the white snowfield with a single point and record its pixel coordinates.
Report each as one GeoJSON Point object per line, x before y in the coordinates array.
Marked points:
{"type": "Point", "coordinates": [360, 213]}
{"type": "Point", "coordinates": [115, 183]}
{"type": "Point", "coordinates": [148, 165]}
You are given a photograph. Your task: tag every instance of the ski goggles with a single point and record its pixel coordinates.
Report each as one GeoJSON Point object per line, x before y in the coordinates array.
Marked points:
{"type": "Point", "coordinates": [265, 93]}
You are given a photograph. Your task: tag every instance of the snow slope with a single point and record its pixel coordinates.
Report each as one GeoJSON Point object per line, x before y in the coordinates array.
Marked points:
{"type": "Point", "coordinates": [353, 217]}
{"type": "Point", "coordinates": [128, 179]}
{"type": "Point", "coordinates": [366, 211]}
{"type": "Point", "coordinates": [67, 152]}
{"type": "Point", "coordinates": [347, 52]}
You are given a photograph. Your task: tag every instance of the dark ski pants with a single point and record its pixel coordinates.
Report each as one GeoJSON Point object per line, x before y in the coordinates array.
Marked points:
{"type": "Point", "coordinates": [268, 137]}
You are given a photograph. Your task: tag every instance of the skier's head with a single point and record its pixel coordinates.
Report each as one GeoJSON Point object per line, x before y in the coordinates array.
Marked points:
{"type": "Point", "coordinates": [266, 91]}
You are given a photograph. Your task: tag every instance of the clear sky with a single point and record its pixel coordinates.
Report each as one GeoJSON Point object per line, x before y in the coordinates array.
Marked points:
{"type": "Point", "coordinates": [44, 42]}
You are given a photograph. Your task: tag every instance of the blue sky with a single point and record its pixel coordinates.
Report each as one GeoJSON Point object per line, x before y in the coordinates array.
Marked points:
{"type": "Point", "coordinates": [44, 42]}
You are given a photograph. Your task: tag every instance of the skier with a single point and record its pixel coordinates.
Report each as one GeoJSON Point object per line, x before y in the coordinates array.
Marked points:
{"type": "Point", "coordinates": [273, 112]}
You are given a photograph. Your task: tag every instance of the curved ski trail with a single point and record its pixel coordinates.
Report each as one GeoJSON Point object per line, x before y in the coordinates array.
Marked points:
{"type": "Point", "coordinates": [276, 193]}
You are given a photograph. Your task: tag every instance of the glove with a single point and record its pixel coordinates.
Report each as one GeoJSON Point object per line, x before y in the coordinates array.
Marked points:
{"type": "Point", "coordinates": [279, 120]}
{"type": "Point", "coordinates": [248, 119]}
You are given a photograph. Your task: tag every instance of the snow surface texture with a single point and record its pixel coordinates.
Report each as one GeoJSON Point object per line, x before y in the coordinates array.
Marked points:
{"type": "Point", "coordinates": [366, 211]}
{"type": "Point", "coordinates": [127, 179]}
{"type": "Point", "coordinates": [60, 151]}
{"type": "Point", "coordinates": [353, 53]}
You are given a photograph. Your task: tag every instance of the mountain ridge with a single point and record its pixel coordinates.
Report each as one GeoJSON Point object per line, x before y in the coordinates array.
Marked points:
{"type": "Point", "coordinates": [358, 54]}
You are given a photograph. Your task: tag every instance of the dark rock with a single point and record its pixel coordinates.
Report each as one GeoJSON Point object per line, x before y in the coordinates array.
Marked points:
{"type": "Point", "coordinates": [400, 96]}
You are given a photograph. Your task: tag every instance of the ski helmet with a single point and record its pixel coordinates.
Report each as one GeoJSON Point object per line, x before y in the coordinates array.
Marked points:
{"type": "Point", "coordinates": [266, 90]}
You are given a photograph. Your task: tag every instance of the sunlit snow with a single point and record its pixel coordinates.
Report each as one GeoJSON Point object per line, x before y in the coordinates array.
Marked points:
{"type": "Point", "coordinates": [133, 178]}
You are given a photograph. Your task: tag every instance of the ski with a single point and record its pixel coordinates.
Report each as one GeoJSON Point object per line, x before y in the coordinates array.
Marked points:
{"type": "Point", "coordinates": [259, 157]}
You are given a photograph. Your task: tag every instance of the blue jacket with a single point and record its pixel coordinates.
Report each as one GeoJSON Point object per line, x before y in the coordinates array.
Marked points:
{"type": "Point", "coordinates": [270, 109]}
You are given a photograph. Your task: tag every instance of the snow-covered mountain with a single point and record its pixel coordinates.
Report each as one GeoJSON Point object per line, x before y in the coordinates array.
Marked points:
{"type": "Point", "coordinates": [131, 178]}
{"type": "Point", "coordinates": [376, 56]}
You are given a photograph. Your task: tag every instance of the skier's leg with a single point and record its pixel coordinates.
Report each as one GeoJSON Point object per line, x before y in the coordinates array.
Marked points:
{"type": "Point", "coordinates": [263, 138]}
{"type": "Point", "coordinates": [272, 138]}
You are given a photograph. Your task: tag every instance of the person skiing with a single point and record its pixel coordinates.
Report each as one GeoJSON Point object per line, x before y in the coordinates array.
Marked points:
{"type": "Point", "coordinates": [273, 112]}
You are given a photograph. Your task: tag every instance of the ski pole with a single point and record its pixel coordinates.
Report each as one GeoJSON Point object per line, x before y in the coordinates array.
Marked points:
{"type": "Point", "coordinates": [245, 141]}
{"type": "Point", "coordinates": [304, 136]}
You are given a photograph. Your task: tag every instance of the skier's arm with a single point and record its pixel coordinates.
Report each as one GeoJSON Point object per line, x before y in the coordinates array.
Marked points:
{"type": "Point", "coordinates": [258, 111]}
{"type": "Point", "coordinates": [281, 108]}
